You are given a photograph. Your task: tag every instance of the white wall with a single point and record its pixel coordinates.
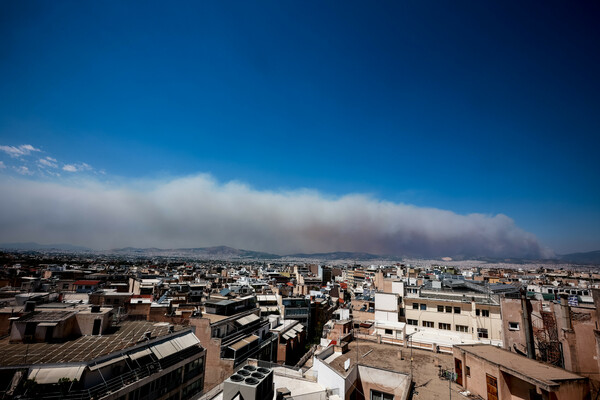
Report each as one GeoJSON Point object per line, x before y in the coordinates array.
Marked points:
{"type": "Point", "coordinates": [386, 302]}
{"type": "Point", "coordinates": [386, 316]}
{"type": "Point", "coordinates": [398, 287]}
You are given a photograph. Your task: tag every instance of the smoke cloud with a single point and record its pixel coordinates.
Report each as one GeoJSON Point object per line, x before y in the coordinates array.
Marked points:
{"type": "Point", "coordinates": [198, 211]}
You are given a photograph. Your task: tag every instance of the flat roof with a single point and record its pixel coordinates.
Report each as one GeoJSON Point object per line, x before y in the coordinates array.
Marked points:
{"type": "Point", "coordinates": [383, 356]}
{"type": "Point", "coordinates": [522, 366]}
{"type": "Point", "coordinates": [46, 316]}
{"type": "Point", "coordinates": [82, 349]}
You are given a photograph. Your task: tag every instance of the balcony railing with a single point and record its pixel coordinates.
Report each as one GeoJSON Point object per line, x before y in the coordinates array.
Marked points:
{"type": "Point", "coordinates": [123, 380]}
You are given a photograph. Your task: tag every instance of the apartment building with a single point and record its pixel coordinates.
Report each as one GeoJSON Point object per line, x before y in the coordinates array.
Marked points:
{"type": "Point", "coordinates": [562, 333]}
{"type": "Point", "coordinates": [232, 331]}
{"type": "Point", "coordinates": [453, 312]}
{"type": "Point", "coordinates": [493, 373]}
{"type": "Point", "coordinates": [297, 308]}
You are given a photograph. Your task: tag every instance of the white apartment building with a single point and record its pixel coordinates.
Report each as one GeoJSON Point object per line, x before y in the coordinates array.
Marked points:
{"type": "Point", "coordinates": [447, 316]}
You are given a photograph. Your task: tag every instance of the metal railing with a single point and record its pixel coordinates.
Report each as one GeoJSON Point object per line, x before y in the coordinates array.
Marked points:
{"type": "Point", "coordinates": [123, 380]}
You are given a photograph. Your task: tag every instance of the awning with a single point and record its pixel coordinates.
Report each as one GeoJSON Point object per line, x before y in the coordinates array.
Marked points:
{"type": "Point", "coordinates": [46, 375]}
{"type": "Point", "coordinates": [174, 345]}
{"type": "Point", "coordinates": [139, 354]}
{"type": "Point", "coordinates": [48, 324]}
{"type": "Point", "coordinates": [164, 349]}
{"type": "Point", "coordinates": [248, 319]}
{"type": "Point", "coordinates": [185, 341]}
{"type": "Point", "coordinates": [107, 363]}
{"type": "Point", "coordinates": [244, 342]}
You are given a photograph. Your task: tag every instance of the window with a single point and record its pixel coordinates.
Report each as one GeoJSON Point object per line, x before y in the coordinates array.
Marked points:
{"type": "Point", "coordinates": [428, 324]}
{"type": "Point", "coordinates": [412, 322]}
{"type": "Point", "coordinates": [482, 333]}
{"type": "Point", "coordinates": [448, 309]}
{"type": "Point", "coordinates": [65, 285]}
{"type": "Point", "coordinates": [424, 307]}
{"type": "Point", "coordinates": [456, 310]}
{"type": "Point", "coordinates": [462, 328]}
{"type": "Point", "coordinates": [444, 326]}
{"type": "Point", "coordinates": [468, 371]}
{"type": "Point", "coordinates": [513, 326]}
{"type": "Point", "coordinates": [415, 306]}
{"type": "Point", "coordinates": [478, 312]}
{"type": "Point", "coordinates": [389, 332]}
{"type": "Point", "coordinates": [440, 308]}
{"type": "Point", "coordinates": [377, 395]}
{"type": "Point", "coordinates": [485, 313]}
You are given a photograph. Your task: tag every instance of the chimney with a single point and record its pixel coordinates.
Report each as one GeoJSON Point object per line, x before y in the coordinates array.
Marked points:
{"type": "Point", "coordinates": [528, 329]}
{"type": "Point", "coordinates": [566, 311]}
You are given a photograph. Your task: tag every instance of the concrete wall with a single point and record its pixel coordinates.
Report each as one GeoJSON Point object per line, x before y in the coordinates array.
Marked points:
{"type": "Point", "coordinates": [386, 302]}
{"type": "Point", "coordinates": [511, 387]}
{"type": "Point", "coordinates": [85, 321]}
{"type": "Point", "coordinates": [217, 369]}
{"type": "Point", "coordinates": [512, 312]}
{"type": "Point", "coordinates": [385, 381]}
{"type": "Point", "coordinates": [327, 376]}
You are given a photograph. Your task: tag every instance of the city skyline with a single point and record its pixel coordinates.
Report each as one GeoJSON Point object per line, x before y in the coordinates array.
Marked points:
{"type": "Point", "coordinates": [388, 128]}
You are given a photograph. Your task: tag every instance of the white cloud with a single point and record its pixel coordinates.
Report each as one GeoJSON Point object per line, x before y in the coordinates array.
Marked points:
{"type": "Point", "coordinates": [18, 151]}
{"type": "Point", "coordinates": [48, 162]}
{"type": "Point", "coordinates": [2, 166]}
{"type": "Point", "coordinates": [198, 211]}
{"type": "Point", "coordinates": [23, 170]}
{"type": "Point", "coordinates": [77, 167]}
{"type": "Point", "coordinates": [70, 168]}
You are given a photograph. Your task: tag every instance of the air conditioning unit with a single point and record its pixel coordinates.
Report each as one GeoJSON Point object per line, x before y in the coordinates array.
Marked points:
{"type": "Point", "coordinates": [251, 383]}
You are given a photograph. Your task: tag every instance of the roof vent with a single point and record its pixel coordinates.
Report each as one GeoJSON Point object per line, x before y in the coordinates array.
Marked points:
{"type": "Point", "coordinates": [263, 370]}
{"type": "Point", "coordinates": [256, 387]}
{"type": "Point", "coordinates": [95, 309]}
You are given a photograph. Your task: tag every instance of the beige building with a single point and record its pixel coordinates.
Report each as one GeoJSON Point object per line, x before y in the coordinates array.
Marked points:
{"type": "Point", "coordinates": [449, 317]}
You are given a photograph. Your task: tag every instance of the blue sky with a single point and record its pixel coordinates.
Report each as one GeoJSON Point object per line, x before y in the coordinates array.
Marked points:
{"type": "Point", "coordinates": [466, 107]}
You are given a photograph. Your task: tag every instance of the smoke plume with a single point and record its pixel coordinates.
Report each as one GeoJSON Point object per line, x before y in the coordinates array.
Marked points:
{"type": "Point", "coordinates": [197, 211]}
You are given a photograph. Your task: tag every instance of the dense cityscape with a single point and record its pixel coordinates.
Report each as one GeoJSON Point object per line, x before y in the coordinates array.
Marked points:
{"type": "Point", "coordinates": [299, 200]}
{"type": "Point", "coordinates": [91, 326]}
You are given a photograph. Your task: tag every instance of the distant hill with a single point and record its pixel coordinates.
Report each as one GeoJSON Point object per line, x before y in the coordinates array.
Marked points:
{"type": "Point", "coordinates": [590, 257]}
{"type": "Point", "coordinates": [225, 252]}
{"type": "Point", "coordinates": [216, 252]}
{"type": "Point", "coordinates": [340, 255]}
{"type": "Point", "coordinates": [37, 246]}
